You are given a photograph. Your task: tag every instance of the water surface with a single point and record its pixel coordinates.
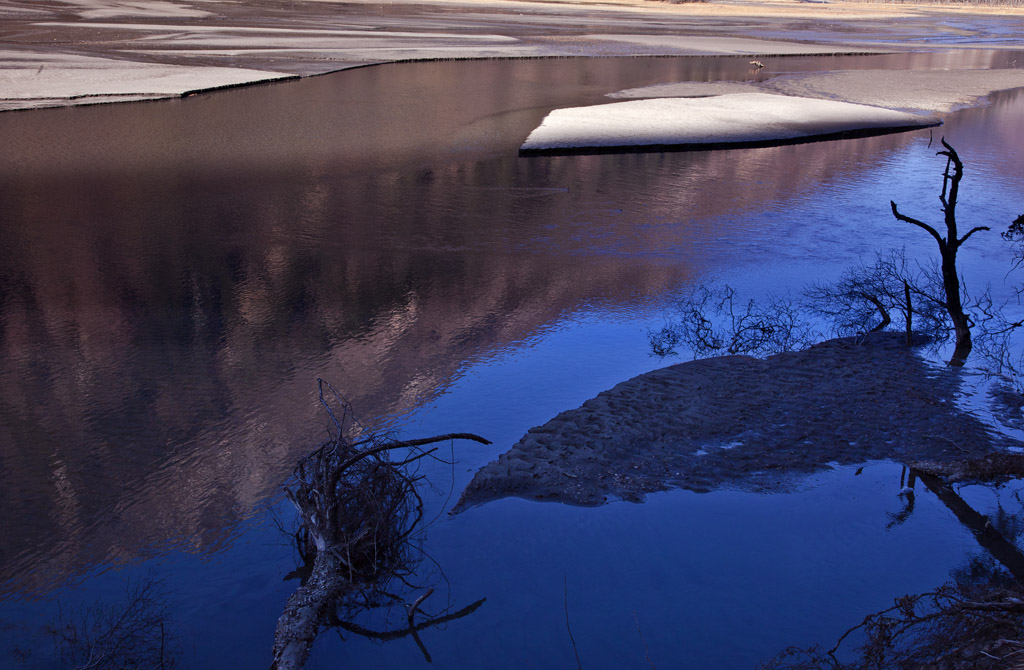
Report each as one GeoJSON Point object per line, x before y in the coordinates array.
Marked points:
{"type": "Point", "coordinates": [175, 276]}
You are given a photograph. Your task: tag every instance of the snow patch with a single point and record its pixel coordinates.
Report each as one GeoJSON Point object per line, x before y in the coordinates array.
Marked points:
{"type": "Point", "coordinates": [737, 118]}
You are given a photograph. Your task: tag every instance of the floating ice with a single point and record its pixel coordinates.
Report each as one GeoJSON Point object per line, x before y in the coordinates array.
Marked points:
{"type": "Point", "coordinates": [732, 119]}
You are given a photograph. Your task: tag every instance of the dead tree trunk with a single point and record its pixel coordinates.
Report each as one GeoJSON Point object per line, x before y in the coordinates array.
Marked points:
{"type": "Point", "coordinates": [358, 510]}
{"type": "Point", "coordinates": [908, 313]}
{"type": "Point", "coordinates": [306, 611]}
{"type": "Point", "coordinates": [948, 247]}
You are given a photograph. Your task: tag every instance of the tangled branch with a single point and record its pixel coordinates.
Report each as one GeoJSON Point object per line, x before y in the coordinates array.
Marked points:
{"type": "Point", "coordinates": [714, 322]}
{"type": "Point", "coordinates": [357, 511]}
{"type": "Point", "coordinates": [955, 626]}
{"type": "Point", "coordinates": [890, 291]}
{"type": "Point", "coordinates": [131, 633]}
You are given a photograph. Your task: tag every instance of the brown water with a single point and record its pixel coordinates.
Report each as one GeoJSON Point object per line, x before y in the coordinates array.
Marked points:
{"type": "Point", "coordinates": [175, 276]}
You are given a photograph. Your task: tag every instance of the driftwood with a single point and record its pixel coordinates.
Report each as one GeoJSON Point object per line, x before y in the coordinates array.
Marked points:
{"type": "Point", "coordinates": [357, 510]}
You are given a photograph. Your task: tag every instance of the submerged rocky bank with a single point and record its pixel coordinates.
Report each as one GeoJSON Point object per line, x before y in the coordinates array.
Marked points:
{"type": "Point", "coordinates": [743, 422]}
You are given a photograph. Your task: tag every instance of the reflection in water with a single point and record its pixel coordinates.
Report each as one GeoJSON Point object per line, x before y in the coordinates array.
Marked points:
{"type": "Point", "coordinates": [976, 619]}
{"type": "Point", "coordinates": [988, 536]}
{"type": "Point", "coordinates": [134, 632]}
{"type": "Point", "coordinates": [174, 275]}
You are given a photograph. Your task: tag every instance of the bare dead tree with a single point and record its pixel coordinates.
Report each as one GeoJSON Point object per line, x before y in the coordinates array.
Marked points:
{"type": "Point", "coordinates": [131, 633]}
{"type": "Point", "coordinates": [948, 248]}
{"type": "Point", "coordinates": [714, 322]}
{"type": "Point", "coordinates": [890, 291]}
{"type": "Point", "coordinates": [923, 299]}
{"type": "Point", "coordinates": [358, 511]}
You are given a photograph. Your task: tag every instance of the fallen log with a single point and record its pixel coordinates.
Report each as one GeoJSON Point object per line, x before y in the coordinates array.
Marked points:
{"type": "Point", "coordinates": [357, 509]}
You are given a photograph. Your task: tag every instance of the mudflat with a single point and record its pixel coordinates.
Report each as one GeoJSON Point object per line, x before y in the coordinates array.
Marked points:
{"type": "Point", "coordinates": [743, 422]}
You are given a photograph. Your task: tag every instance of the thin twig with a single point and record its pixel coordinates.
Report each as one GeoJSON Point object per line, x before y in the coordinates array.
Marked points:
{"type": "Point", "coordinates": [565, 600]}
{"type": "Point", "coordinates": [396, 634]}
{"type": "Point", "coordinates": [647, 651]}
{"type": "Point", "coordinates": [412, 629]}
{"type": "Point", "coordinates": [416, 605]}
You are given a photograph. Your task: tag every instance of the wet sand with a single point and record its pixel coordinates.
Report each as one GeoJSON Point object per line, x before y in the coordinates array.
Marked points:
{"type": "Point", "coordinates": [742, 422]}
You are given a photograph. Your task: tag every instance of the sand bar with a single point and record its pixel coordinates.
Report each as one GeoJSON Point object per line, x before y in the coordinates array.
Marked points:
{"type": "Point", "coordinates": [922, 91]}
{"type": "Point", "coordinates": [746, 119]}
{"type": "Point", "coordinates": [742, 422]}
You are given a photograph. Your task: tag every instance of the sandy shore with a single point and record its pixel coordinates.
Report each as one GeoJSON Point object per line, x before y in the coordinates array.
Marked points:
{"type": "Point", "coordinates": [924, 91]}
{"type": "Point", "coordinates": [70, 52]}
{"type": "Point", "coordinates": [742, 422]}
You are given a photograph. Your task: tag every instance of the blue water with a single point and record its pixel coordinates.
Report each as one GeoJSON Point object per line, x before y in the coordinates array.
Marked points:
{"type": "Point", "coordinates": [177, 275]}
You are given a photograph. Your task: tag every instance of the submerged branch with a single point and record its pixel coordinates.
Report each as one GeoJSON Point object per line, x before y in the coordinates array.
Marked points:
{"type": "Point", "coordinates": [386, 636]}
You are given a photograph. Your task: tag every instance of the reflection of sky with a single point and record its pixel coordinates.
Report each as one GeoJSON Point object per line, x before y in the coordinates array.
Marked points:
{"type": "Point", "coordinates": [694, 568]}
{"type": "Point", "coordinates": [849, 219]}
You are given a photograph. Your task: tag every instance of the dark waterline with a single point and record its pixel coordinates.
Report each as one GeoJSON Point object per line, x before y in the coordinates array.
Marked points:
{"type": "Point", "coordinates": [174, 277]}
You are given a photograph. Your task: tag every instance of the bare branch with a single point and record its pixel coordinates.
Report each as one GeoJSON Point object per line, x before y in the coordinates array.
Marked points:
{"type": "Point", "coordinates": [398, 444]}
{"type": "Point", "coordinates": [710, 322]}
{"type": "Point", "coordinates": [397, 634]}
{"type": "Point", "coordinates": [886, 319]}
{"type": "Point", "coordinates": [568, 627]}
{"type": "Point", "coordinates": [130, 633]}
{"type": "Point", "coordinates": [971, 232]}
{"type": "Point", "coordinates": [920, 224]}
{"type": "Point", "coordinates": [953, 183]}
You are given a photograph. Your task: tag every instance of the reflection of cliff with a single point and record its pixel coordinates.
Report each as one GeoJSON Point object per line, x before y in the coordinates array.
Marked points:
{"type": "Point", "coordinates": [158, 365]}
{"type": "Point", "coordinates": [173, 278]}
